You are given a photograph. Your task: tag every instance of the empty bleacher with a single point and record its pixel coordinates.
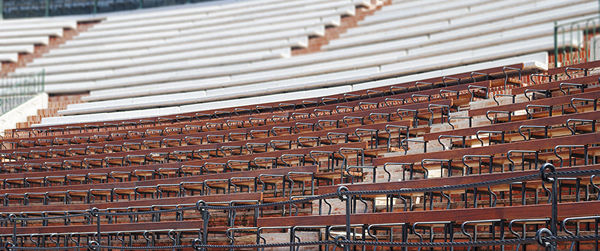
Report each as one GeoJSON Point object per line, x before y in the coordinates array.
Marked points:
{"type": "Point", "coordinates": [436, 125]}
{"type": "Point", "coordinates": [226, 177]}
{"type": "Point", "coordinates": [145, 64]}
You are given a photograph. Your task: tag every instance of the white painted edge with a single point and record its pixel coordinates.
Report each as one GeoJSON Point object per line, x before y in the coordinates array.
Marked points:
{"type": "Point", "coordinates": [10, 119]}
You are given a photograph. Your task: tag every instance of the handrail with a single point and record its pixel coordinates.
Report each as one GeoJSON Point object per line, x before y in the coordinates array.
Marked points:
{"type": "Point", "coordinates": [19, 88]}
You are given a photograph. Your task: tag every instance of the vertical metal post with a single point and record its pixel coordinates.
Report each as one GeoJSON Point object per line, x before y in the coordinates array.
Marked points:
{"type": "Point", "coordinates": [2, 9]}
{"type": "Point", "coordinates": [554, 220]}
{"type": "Point", "coordinates": [348, 228]}
{"type": "Point", "coordinates": [141, 6]}
{"type": "Point", "coordinates": [95, 11]}
{"type": "Point", "coordinates": [554, 217]}
{"type": "Point", "coordinates": [347, 199]}
{"type": "Point", "coordinates": [43, 82]}
{"type": "Point", "coordinates": [556, 44]}
{"type": "Point", "coordinates": [47, 8]}
{"type": "Point", "coordinates": [12, 218]}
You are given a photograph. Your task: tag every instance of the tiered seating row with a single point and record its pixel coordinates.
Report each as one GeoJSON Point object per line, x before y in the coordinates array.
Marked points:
{"type": "Point", "coordinates": [238, 170]}
{"type": "Point", "coordinates": [497, 75]}
{"type": "Point", "coordinates": [155, 86]}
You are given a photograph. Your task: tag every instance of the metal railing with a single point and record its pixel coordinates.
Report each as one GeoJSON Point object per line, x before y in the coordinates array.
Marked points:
{"type": "Point", "coordinates": [577, 41]}
{"type": "Point", "coordinates": [18, 89]}
{"type": "Point", "coordinates": [553, 232]}
{"type": "Point", "coordinates": [46, 8]}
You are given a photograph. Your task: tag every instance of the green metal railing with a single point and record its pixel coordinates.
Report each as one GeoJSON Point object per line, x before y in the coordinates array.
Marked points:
{"type": "Point", "coordinates": [577, 41]}
{"type": "Point", "coordinates": [45, 8]}
{"type": "Point", "coordinates": [18, 89]}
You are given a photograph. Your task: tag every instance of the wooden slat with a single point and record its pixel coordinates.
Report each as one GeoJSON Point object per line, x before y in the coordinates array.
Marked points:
{"type": "Point", "coordinates": [124, 227]}
{"type": "Point", "coordinates": [574, 209]}
{"type": "Point", "coordinates": [545, 101]}
{"type": "Point", "coordinates": [256, 173]}
{"type": "Point", "coordinates": [435, 182]}
{"type": "Point", "coordinates": [514, 125]}
{"type": "Point", "coordinates": [135, 203]}
{"type": "Point", "coordinates": [539, 144]}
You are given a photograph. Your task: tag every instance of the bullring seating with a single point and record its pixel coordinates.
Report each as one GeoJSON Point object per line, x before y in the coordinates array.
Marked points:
{"type": "Point", "coordinates": [272, 173]}
{"type": "Point", "coordinates": [134, 73]}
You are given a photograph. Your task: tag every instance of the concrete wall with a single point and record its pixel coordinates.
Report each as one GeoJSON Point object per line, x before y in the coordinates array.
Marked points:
{"type": "Point", "coordinates": [10, 119]}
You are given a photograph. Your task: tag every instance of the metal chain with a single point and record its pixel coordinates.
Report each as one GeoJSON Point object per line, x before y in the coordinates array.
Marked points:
{"type": "Point", "coordinates": [46, 248]}
{"type": "Point", "coordinates": [145, 212]}
{"type": "Point", "coordinates": [572, 238]}
{"type": "Point", "coordinates": [446, 187]}
{"type": "Point", "coordinates": [573, 173]}
{"type": "Point", "coordinates": [438, 244]}
{"type": "Point", "coordinates": [272, 204]}
{"type": "Point", "coordinates": [333, 195]}
{"type": "Point", "coordinates": [265, 245]}
{"type": "Point", "coordinates": [51, 217]}
{"type": "Point", "coordinates": [340, 242]}
{"type": "Point", "coordinates": [99, 247]}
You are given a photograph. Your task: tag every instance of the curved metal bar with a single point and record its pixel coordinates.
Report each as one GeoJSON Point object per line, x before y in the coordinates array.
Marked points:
{"type": "Point", "coordinates": [506, 74]}
{"type": "Point", "coordinates": [532, 126]}
{"type": "Point", "coordinates": [567, 69]}
{"type": "Point", "coordinates": [329, 134]}
{"type": "Point", "coordinates": [453, 78]}
{"type": "Point", "coordinates": [464, 224]}
{"type": "Point", "coordinates": [430, 106]}
{"type": "Point", "coordinates": [401, 88]}
{"type": "Point", "coordinates": [585, 100]}
{"type": "Point", "coordinates": [472, 156]}
{"type": "Point", "coordinates": [512, 222]}
{"type": "Point", "coordinates": [387, 100]}
{"type": "Point", "coordinates": [404, 144]}
{"type": "Point", "coordinates": [429, 84]}
{"type": "Point", "coordinates": [530, 115]}
{"type": "Point", "coordinates": [371, 116]}
{"type": "Point", "coordinates": [442, 91]}
{"type": "Point", "coordinates": [361, 104]}
{"type": "Point", "coordinates": [539, 75]}
{"type": "Point", "coordinates": [573, 130]}
{"type": "Point", "coordinates": [373, 92]}
{"type": "Point", "coordinates": [595, 186]}
{"type": "Point", "coordinates": [580, 86]}
{"type": "Point", "coordinates": [487, 115]}
{"type": "Point", "coordinates": [490, 132]}
{"type": "Point", "coordinates": [484, 88]}
{"type": "Point", "coordinates": [513, 165]}
{"type": "Point", "coordinates": [463, 138]}
{"type": "Point", "coordinates": [570, 147]}
{"type": "Point", "coordinates": [372, 235]}
{"type": "Point", "coordinates": [441, 161]}
{"type": "Point", "coordinates": [413, 96]}
{"type": "Point", "coordinates": [504, 95]}
{"type": "Point", "coordinates": [487, 76]}
{"type": "Point", "coordinates": [460, 117]}
{"type": "Point", "coordinates": [546, 93]}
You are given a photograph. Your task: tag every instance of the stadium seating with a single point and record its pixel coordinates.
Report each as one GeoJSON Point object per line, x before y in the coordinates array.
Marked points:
{"type": "Point", "coordinates": [161, 70]}
{"type": "Point", "coordinates": [20, 36]}
{"type": "Point", "coordinates": [144, 181]}
{"type": "Point", "coordinates": [440, 127]}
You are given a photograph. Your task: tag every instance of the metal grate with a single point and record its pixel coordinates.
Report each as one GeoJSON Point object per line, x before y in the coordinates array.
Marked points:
{"type": "Point", "coordinates": [45, 8]}
{"type": "Point", "coordinates": [18, 89]}
{"type": "Point", "coordinates": [577, 42]}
